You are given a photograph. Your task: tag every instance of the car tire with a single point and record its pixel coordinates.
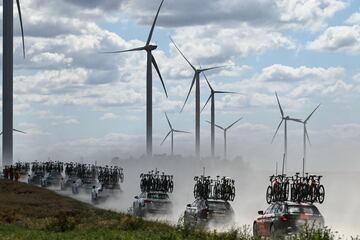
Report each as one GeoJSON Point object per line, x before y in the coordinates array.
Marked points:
{"type": "Point", "coordinates": [272, 231]}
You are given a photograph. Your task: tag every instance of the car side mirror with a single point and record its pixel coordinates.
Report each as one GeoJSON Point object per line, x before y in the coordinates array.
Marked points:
{"type": "Point", "coordinates": [136, 197]}
{"type": "Point", "coordinates": [261, 212]}
{"type": "Point", "coordinates": [189, 205]}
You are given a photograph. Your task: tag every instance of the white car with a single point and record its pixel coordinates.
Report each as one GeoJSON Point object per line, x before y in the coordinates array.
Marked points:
{"type": "Point", "coordinates": [98, 194]}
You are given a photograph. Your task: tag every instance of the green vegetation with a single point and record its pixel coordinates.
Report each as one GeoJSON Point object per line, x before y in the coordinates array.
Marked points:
{"type": "Point", "coordinates": [29, 212]}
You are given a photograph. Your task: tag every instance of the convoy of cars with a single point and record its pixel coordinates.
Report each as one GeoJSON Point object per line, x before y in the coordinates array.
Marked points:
{"type": "Point", "coordinates": [210, 207]}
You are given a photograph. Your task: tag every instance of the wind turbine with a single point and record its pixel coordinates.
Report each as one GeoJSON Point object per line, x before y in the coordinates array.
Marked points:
{"type": "Point", "coordinates": [212, 98]}
{"type": "Point", "coordinates": [196, 81]}
{"type": "Point", "coordinates": [306, 135]}
{"type": "Point", "coordinates": [15, 130]}
{"type": "Point", "coordinates": [150, 62]}
{"type": "Point", "coordinates": [284, 119]}
{"type": "Point", "coordinates": [8, 69]}
{"type": "Point", "coordinates": [172, 131]}
{"type": "Point", "coordinates": [225, 134]}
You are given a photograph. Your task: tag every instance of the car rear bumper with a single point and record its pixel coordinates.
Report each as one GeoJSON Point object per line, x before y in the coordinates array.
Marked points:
{"type": "Point", "coordinates": [296, 226]}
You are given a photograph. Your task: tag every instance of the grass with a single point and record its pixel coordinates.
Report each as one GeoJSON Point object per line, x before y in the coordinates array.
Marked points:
{"type": "Point", "coordinates": [29, 212]}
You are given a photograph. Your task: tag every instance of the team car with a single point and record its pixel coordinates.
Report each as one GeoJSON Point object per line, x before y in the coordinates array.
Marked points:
{"type": "Point", "coordinates": [203, 212]}
{"type": "Point", "coordinates": [153, 203]}
{"type": "Point", "coordinates": [282, 218]}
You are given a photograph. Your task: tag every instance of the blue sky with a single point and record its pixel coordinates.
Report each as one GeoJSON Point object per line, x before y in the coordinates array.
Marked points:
{"type": "Point", "coordinates": [75, 102]}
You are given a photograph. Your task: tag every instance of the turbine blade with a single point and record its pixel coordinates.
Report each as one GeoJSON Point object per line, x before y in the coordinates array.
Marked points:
{"type": "Point", "coordinates": [1, 133]}
{"type": "Point", "coordinates": [129, 50]}
{"type": "Point", "coordinates": [180, 131]}
{"type": "Point", "coordinates": [168, 121]}
{"type": "Point", "coordinates": [307, 135]}
{"type": "Point", "coordinates": [296, 120]}
{"type": "Point", "coordinates": [226, 92]}
{"type": "Point", "coordinates": [234, 123]}
{"type": "Point", "coordinates": [153, 25]}
{"type": "Point", "coordinates": [208, 83]}
{"type": "Point", "coordinates": [21, 25]}
{"type": "Point", "coordinates": [158, 71]}
{"type": "Point", "coordinates": [311, 113]}
{"type": "Point", "coordinates": [278, 101]}
{"type": "Point", "coordinates": [187, 97]}
{"type": "Point", "coordinates": [165, 137]}
{"type": "Point", "coordinates": [277, 130]}
{"type": "Point", "coordinates": [212, 68]}
{"type": "Point", "coordinates": [15, 130]}
{"type": "Point", "coordinates": [216, 125]}
{"type": "Point", "coordinates": [192, 66]}
{"type": "Point", "coordinates": [211, 95]}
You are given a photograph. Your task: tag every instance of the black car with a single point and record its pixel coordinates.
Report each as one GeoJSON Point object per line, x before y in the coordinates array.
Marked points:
{"type": "Point", "coordinates": [287, 218]}
{"type": "Point", "coordinates": [35, 177]}
{"type": "Point", "coordinates": [203, 211]}
{"type": "Point", "coordinates": [51, 179]}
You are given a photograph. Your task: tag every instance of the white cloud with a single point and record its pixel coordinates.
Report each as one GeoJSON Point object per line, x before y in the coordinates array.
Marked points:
{"type": "Point", "coordinates": [108, 116]}
{"type": "Point", "coordinates": [354, 18]}
{"type": "Point", "coordinates": [338, 39]}
{"type": "Point", "coordinates": [72, 121]}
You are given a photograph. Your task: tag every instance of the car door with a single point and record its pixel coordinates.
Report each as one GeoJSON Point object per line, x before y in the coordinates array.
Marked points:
{"type": "Point", "coordinates": [262, 222]}
{"type": "Point", "coordinates": [192, 210]}
{"type": "Point", "coordinates": [268, 219]}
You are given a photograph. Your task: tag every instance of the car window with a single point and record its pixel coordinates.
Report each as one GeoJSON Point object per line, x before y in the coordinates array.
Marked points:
{"type": "Point", "coordinates": [276, 209]}
{"type": "Point", "coordinates": [297, 209]}
{"type": "Point", "coordinates": [218, 206]}
{"type": "Point", "coordinates": [142, 195]}
{"type": "Point", "coordinates": [268, 210]}
{"type": "Point", "coordinates": [194, 204]}
{"type": "Point", "coordinates": [201, 204]}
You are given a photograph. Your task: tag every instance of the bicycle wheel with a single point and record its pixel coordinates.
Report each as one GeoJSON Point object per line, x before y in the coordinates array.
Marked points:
{"type": "Point", "coordinates": [196, 191]}
{"type": "Point", "coordinates": [232, 196]}
{"type": "Point", "coordinates": [286, 192]}
{"type": "Point", "coordinates": [321, 194]}
{"type": "Point", "coordinates": [313, 194]}
{"type": "Point", "coordinates": [269, 194]}
{"type": "Point", "coordinates": [171, 188]}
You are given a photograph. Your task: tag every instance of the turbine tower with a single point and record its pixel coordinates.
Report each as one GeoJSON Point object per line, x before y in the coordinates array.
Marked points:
{"type": "Point", "coordinates": [306, 136]}
{"type": "Point", "coordinates": [284, 119]}
{"type": "Point", "coordinates": [212, 98]}
{"type": "Point", "coordinates": [172, 131]}
{"type": "Point", "coordinates": [8, 69]}
{"type": "Point", "coordinates": [196, 81]}
{"type": "Point", "coordinates": [225, 134]}
{"type": "Point", "coordinates": [150, 62]}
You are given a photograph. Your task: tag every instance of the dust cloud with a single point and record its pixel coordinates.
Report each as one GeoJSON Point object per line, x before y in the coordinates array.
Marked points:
{"type": "Point", "coordinates": [340, 209]}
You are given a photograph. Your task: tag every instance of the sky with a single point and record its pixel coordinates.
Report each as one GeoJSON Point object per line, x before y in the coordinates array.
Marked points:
{"type": "Point", "coordinates": [76, 103]}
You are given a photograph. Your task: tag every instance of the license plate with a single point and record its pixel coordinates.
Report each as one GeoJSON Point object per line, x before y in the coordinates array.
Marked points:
{"type": "Point", "coordinates": [300, 222]}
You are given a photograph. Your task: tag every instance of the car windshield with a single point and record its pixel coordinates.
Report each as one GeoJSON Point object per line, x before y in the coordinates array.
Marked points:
{"type": "Point", "coordinates": [161, 196]}
{"type": "Point", "coordinates": [303, 209]}
{"type": "Point", "coordinates": [218, 206]}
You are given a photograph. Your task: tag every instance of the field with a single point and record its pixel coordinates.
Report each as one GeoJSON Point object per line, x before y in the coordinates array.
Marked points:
{"type": "Point", "coordinates": [29, 212]}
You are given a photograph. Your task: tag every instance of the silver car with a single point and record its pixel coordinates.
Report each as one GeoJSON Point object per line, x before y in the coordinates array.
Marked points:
{"type": "Point", "coordinates": [152, 203]}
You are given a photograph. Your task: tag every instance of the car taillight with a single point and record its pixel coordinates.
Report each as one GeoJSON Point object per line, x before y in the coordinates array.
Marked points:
{"type": "Point", "coordinates": [147, 202]}
{"type": "Point", "coordinates": [284, 218]}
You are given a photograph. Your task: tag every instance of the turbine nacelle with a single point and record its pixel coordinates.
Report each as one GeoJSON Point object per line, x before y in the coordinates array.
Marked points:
{"type": "Point", "coordinates": [150, 47]}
